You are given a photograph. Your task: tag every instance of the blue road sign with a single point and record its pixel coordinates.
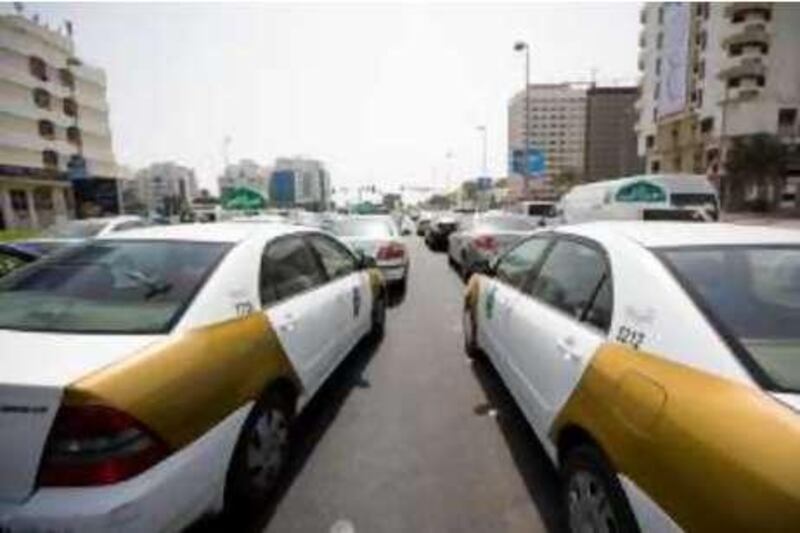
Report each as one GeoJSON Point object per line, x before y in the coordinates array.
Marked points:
{"type": "Point", "coordinates": [536, 163]}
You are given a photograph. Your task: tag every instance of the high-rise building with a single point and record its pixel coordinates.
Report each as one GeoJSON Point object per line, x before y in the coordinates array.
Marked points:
{"type": "Point", "coordinates": [53, 124]}
{"type": "Point", "coordinates": [556, 124]}
{"type": "Point", "coordinates": [610, 134]}
{"type": "Point", "coordinates": [712, 72]}
{"type": "Point", "coordinates": [164, 187]}
{"type": "Point", "coordinates": [300, 182]}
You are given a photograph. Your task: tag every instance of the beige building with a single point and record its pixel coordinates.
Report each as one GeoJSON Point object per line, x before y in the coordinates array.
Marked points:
{"type": "Point", "coordinates": [163, 187]}
{"type": "Point", "coordinates": [557, 124]}
{"type": "Point", "coordinates": [712, 72]}
{"type": "Point", "coordinates": [53, 110]}
{"type": "Point", "coordinates": [245, 173]}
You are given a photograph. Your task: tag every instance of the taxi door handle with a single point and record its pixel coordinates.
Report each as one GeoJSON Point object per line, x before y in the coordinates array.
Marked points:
{"type": "Point", "coordinates": [567, 348]}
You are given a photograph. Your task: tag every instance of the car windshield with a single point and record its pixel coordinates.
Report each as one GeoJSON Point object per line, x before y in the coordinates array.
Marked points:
{"type": "Point", "coordinates": [75, 229]}
{"type": "Point", "coordinates": [754, 291]}
{"type": "Point", "coordinates": [108, 287]}
{"type": "Point", "coordinates": [505, 224]}
{"type": "Point", "coordinates": [377, 228]}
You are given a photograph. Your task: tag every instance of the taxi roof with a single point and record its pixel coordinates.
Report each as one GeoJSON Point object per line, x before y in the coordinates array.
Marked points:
{"type": "Point", "coordinates": [656, 234]}
{"type": "Point", "coordinates": [231, 232]}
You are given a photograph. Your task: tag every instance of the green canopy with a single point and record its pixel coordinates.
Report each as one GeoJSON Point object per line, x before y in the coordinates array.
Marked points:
{"type": "Point", "coordinates": [243, 198]}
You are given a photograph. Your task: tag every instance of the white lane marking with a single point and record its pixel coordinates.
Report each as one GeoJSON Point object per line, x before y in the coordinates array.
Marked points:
{"type": "Point", "coordinates": [343, 526]}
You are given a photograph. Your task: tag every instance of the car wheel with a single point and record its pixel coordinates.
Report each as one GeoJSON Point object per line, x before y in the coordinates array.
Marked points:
{"type": "Point", "coordinates": [593, 497]}
{"type": "Point", "coordinates": [471, 347]}
{"type": "Point", "coordinates": [378, 319]}
{"type": "Point", "coordinates": [261, 453]}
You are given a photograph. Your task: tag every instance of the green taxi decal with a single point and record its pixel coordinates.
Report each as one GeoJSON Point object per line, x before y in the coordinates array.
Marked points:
{"type": "Point", "coordinates": [490, 302]}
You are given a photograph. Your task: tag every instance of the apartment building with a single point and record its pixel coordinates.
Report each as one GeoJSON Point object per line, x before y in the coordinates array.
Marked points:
{"type": "Point", "coordinates": [302, 182]}
{"type": "Point", "coordinates": [53, 124]}
{"type": "Point", "coordinates": [711, 72]}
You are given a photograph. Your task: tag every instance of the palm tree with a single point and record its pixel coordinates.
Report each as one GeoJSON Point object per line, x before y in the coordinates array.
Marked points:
{"type": "Point", "coordinates": [758, 161]}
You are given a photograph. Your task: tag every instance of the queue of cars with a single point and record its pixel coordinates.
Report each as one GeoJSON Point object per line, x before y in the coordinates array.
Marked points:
{"type": "Point", "coordinates": [658, 365]}
{"type": "Point", "coordinates": [151, 376]}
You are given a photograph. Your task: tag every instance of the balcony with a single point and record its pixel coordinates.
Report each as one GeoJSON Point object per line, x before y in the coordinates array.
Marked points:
{"type": "Point", "coordinates": [744, 11]}
{"type": "Point", "coordinates": [751, 35]}
{"type": "Point", "coordinates": [748, 68]}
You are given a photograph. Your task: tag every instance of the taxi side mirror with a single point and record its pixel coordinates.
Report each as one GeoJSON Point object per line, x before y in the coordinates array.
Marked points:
{"type": "Point", "coordinates": [486, 267]}
{"type": "Point", "coordinates": [365, 261]}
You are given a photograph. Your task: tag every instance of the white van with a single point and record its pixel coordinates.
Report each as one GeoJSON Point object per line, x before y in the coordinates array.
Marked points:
{"type": "Point", "coordinates": [688, 197]}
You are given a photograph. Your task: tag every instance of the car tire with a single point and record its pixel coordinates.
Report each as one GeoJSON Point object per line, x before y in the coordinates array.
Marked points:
{"type": "Point", "coordinates": [261, 453]}
{"type": "Point", "coordinates": [593, 497]}
{"type": "Point", "coordinates": [470, 328]}
{"type": "Point", "coordinates": [378, 328]}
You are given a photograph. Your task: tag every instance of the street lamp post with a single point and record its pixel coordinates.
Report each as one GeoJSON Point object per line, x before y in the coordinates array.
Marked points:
{"type": "Point", "coordinates": [484, 164]}
{"type": "Point", "coordinates": [521, 46]}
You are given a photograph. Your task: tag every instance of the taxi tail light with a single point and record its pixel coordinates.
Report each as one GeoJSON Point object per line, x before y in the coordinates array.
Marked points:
{"type": "Point", "coordinates": [485, 243]}
{"type": "Point", "coordinates": [97, 445]}
{"type": "Point", "coordinates": [391, 251]}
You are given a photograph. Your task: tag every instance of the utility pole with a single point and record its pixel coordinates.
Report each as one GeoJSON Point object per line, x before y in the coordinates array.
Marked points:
{"type": "Point", "coordinates": [521, 46]}
{"type": "Point", "coordinates": [484, 164]}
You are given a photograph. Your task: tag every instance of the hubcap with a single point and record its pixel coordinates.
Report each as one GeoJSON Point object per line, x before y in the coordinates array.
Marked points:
{"type": "Point", "coordinates": [267, 448]}
{"type": "Point", "coordinates": [589, 507]}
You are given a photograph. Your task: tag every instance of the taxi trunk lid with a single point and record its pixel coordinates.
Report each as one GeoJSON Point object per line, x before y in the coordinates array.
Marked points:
{"type": "Point", "coordinates": [34, 370]}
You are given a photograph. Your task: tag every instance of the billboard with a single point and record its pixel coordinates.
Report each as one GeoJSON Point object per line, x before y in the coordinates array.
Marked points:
{"type": "Point", "coordinates": [674, 58]}
{"type": "Point", "coordinates": [536, 163]}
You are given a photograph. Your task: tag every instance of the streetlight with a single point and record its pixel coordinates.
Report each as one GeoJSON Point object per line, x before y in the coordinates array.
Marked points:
{"type": "Point", "coordinates": [485, 166]}
{"type": "Point", "coordinates": [522, 46]}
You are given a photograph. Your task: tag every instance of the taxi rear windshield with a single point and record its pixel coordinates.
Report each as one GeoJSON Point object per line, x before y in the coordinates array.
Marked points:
{"type": "Point", "coordinates": [108, 287]}
{"type": "Point", "coordinates": [753, 292]}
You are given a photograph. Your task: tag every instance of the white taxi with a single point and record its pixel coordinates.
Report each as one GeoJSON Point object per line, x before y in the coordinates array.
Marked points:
{"type": "Point", "coordinates": [150, 377]}
{"type": "Point", "coordinates": [659, 365]}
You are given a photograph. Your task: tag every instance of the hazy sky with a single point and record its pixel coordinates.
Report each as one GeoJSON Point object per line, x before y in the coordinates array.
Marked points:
{"type": "Point", "coordinates": [380, 93]}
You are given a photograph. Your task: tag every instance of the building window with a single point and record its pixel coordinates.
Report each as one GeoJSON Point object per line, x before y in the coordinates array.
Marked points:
{"type": "Point", "coordinates": [760, 81]}
{"type": "Point", "coordinates": [50, 159]}
{"type": "Point", "coordinates": [43, 199]}
{"type": "Point", "coordinates": [787, 117]}
{"type": "Point", "coordinates": [658, 66]}
{"type": "Point", "coordinates": [659, 40]}
{"type": "Point", "coordinates": [19, 201]}
{"type": "Point", "coordinates": [701, 69]}
{"type": "Point", "coordinates": [655, 166]}
{"type": "Point", "coordinates": [650, 141]}
{"type": "Point", "coordinates": [733, 83]}
{"type": "Point", "coordinates": [699, 97]}
{"type": "Point", "coordinates": [38, 68]}
{"type": "Point", "coordinates": [707, 124]}
{"type": "Point", "coordinates": [657, 91]}
{"type": "Point", "coordinates": [655, 114]}
{"type": "Point", "coordinates": [70, 107]}
{"type": "Point", "coordinates": [735, 50]}
{"type": "Point", "coordinates": [74, 135]}
{"type": "Point", "coordinates": [66, 77]}
{"type": "Point", "coordinates": [47, 129]}
{"type": "Point", "coordinates": [661, 15]}
{"type": "Point", "coordinates": [41, 98]}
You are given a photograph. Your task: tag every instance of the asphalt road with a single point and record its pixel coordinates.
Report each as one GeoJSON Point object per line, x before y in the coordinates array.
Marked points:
{"type": "Point", "coordinates": [410, 436]}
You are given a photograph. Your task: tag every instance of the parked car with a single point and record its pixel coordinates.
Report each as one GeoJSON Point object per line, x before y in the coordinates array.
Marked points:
{"type": "Point", "coordinates": [377, 237]}
{"type": "Point", "coordinates": [480, 239]}
{"type": "Point", "coordinates": [545, 213]}
{"type": "Point", "coordinates": [152, 376]}
{"type": "Point", "coordinates": [658, 365]}
{"type": "Point", "coordinates": [440, 229]}
{"type": "Point", "coordinates": [423, 223]}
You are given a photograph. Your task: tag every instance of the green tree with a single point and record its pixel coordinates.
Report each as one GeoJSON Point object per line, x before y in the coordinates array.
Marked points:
{"type": "Point", "coordinates": [755, 161]}
{"type": "Point", "coordinates": [566, 179]}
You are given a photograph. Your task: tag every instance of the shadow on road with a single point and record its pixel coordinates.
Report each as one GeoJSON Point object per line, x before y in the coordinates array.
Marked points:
{"type": "Point", "coordinates": [308, 429]}
{"type": "Point", "coordinates": [540, 477]}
